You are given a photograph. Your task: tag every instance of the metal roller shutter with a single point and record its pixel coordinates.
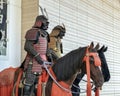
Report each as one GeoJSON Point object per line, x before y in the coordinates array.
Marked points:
{"type": "Point", "coordinates": [86, 21]}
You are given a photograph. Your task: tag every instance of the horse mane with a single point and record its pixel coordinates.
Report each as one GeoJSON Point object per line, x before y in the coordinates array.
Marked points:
{"type": "Point", "coordinates": [66, 66]}
{"type": "Point", "coordinates": [72, 60]}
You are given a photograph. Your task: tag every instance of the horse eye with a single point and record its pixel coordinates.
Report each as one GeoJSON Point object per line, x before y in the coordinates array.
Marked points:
{"type": "Point", "coordinates": [91, 60]}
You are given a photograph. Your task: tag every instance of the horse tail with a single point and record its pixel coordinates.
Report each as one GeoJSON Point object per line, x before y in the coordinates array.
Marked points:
{"type": "Point", "coordinates": [49, 86]}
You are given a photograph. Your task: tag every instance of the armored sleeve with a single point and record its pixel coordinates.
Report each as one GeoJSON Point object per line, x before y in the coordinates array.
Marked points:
{"type": "Point", "coordinates": [31, 39]}
{"type": "Point", "coordinates": [30, 49]}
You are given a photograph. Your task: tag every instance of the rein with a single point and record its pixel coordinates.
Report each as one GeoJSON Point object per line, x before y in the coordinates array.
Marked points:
{"type": "Point", "coordinates": [92, 87]}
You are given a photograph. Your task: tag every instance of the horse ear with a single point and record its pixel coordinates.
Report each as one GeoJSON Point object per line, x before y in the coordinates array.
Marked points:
{"type": "Point", "coordinates": [91, 45]}
{"type": "Point", "coordinates": [64, 26]}
{"type": "Point", "coordinates": [105, 49]}
{"type": "Point", "coordinates": [102, 48]}
{"type": "Point", "coordinates": [97, 46]}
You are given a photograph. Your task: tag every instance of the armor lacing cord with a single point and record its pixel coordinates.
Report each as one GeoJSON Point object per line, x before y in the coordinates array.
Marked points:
{"type": "Point", "coordinates": [65, 89]}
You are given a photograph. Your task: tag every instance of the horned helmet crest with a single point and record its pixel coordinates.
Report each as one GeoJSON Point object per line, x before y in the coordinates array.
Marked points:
{"type": "Point", "coordinates": [42, 20]}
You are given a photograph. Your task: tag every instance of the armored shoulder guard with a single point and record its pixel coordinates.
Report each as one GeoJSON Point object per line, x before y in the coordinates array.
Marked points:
{"type": "Point", "coordinates": [32, 34]}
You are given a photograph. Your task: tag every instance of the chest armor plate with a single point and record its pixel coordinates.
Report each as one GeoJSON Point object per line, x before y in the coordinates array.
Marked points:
{"type": "Point", "coordinates": [41, 46]}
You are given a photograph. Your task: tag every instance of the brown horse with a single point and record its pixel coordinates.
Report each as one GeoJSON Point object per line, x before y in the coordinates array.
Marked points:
{"type": "Point", "coordinates": [65, 70]}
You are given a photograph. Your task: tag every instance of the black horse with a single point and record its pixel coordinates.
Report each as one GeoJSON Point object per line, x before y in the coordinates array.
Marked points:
{"type": "Point", "coordinates": [104, 68]}
{"type": "Point", "coordinates": [66, 69]}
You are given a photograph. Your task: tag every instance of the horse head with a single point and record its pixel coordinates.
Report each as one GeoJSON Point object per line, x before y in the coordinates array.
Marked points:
{"type": "Point", "coordinates": [104, 69]}
{"type": "Point", "coordinates": [95, 63]}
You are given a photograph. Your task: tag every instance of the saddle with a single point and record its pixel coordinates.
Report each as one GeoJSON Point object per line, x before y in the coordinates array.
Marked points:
{"type": "Point", "coordinates": [7, 76]}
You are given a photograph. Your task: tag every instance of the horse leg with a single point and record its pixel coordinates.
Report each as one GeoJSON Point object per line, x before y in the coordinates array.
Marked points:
{"type": "Point", "coordinates": [76, 90]}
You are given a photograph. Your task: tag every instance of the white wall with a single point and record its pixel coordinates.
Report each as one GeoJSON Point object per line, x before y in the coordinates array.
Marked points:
{"type": "Point", "coordinates": [13, 57]}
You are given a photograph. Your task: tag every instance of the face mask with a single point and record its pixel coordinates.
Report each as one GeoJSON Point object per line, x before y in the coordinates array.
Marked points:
{"type": "Point", "coordinates": [45, 25]}
{"type": "Point", "coordinates": [61, 34]}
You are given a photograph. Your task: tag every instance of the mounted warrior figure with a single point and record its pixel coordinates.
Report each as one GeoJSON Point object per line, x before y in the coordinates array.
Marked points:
{"type": "Point", "coordinates": [55, 44]}
{"type": "Point", "coordinates": [36, 44]}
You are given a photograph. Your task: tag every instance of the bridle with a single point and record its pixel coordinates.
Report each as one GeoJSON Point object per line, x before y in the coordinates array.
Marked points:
{"type": "Point", "coordinates": [93, 88]}
{"type": "Point", "coordinates": [86, 58]}
{"type": "Point", "coordinates": [97, 62]}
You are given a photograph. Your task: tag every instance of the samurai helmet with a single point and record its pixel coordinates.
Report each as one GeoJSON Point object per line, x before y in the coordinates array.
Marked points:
{"type": "Point", "coordinates": [42, 20]}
